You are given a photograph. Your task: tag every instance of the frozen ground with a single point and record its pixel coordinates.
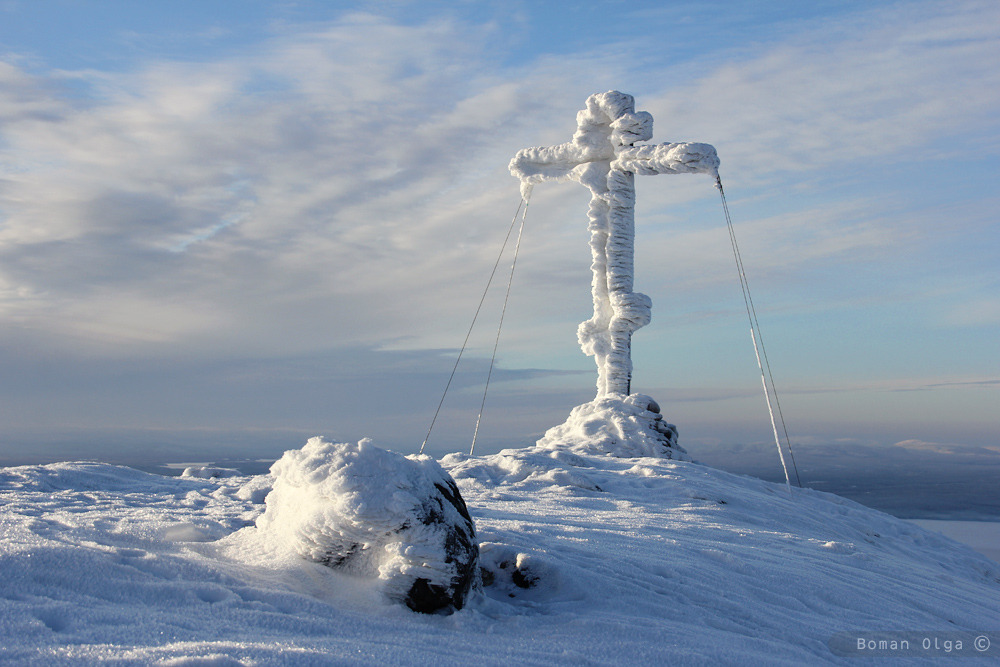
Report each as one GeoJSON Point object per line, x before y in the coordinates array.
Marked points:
{"type": "Point", "coordinates": [633, 561]}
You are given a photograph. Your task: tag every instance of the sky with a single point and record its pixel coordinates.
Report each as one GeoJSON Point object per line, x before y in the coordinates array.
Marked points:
{"type": "Point", "coordinates": [226, 227]}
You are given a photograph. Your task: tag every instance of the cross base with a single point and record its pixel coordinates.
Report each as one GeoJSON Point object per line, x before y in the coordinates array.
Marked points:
{"type": "Point", "coordinates": [616, 425]}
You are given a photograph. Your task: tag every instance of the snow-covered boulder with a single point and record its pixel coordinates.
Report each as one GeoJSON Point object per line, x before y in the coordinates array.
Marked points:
{"type": "Point", "coordinates": [374, 513]}
{"type": "Point", "coordinates": [616, 425]}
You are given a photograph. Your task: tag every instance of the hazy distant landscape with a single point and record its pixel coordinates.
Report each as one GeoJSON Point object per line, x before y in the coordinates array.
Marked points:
{"type": "Point", "coordinates": [910, 482]}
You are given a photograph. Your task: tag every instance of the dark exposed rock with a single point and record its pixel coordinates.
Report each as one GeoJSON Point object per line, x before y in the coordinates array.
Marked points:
{"type": "Point", "coordinates": [508, 571]}
{"type": "Point", "coordinates": [523, 578]}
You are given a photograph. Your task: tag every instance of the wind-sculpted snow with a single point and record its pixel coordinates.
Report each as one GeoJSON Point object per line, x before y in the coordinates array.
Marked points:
{"type": "Point", "coordinates": [588, 559]}
{"type": "Point", "coordinates": [684, 158]}
{"type": "Point", "coordinates": [377, 514]}
{"type": "Point", "coordinates": [625, 426]}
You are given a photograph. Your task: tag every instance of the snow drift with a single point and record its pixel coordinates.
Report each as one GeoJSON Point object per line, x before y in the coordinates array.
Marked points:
{"type": "Point", "coordinates": [622, 426]}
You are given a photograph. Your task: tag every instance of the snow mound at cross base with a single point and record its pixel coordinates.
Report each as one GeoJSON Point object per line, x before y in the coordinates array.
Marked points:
{"type": "Point", "coordinates": [615, 425]}
{"type": "Point", "coordinates": [374, 513]}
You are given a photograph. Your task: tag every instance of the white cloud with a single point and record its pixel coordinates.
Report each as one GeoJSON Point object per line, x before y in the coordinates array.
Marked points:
{"type": "Point", "coordinates": [321, 191]}
{"type": "Point", "coordinates": [903, 81]}
{"type": "Point", "coordinates": [320, 174]}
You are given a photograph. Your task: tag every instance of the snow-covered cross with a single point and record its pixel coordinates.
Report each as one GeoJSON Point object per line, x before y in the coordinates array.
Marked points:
{"type": "Point", "coordinates": [602, 157]}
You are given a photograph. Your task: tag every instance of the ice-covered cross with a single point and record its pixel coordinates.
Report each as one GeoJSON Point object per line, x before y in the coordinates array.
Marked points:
{"type": "Point", "coordinates": [602, 157]}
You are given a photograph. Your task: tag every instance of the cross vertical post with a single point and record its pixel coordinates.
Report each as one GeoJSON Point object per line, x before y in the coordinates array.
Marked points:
{"type": "Point", "coordinates": [602, 156]}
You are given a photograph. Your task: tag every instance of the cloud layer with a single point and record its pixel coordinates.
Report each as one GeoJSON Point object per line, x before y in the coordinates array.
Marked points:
{"type": "Point", "coordinates": [342, 186]}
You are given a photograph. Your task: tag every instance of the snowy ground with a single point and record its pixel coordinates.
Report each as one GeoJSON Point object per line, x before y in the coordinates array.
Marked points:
{"type": "Point", "coordinates": [636, 561]}
{"type": "Point", "coordinates": [982, 536]}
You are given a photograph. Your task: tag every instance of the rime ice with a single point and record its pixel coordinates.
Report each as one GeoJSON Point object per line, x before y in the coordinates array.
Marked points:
{"type": "Point", "coordinates": [602, 157]}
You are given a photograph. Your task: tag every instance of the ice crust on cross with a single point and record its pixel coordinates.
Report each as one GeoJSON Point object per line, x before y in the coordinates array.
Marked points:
{"type": "Point", "coordinates": [602, 157]}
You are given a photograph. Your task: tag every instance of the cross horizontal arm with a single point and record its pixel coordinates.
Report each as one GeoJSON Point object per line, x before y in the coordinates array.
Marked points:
{"type": "Point", "coordinates": [564, 162]}
{"type": "Point", "coordinates": [683, 158]}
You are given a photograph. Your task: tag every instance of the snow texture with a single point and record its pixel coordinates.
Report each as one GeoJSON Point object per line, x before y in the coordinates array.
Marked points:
{"type": "Point", "coordinates": [602, 157]}
{"type": "Point", "coordinates": [627, 428]}
{"type": "Point", "coordinates": [208, 472]}
{"type": "Point", "coordinates": [589, 559]}
{"type": "Point", "coordinates": [377, 514]}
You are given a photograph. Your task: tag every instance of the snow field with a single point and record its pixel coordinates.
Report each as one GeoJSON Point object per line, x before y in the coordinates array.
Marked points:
{"type": "Point", "coordinates": [590, 560]}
